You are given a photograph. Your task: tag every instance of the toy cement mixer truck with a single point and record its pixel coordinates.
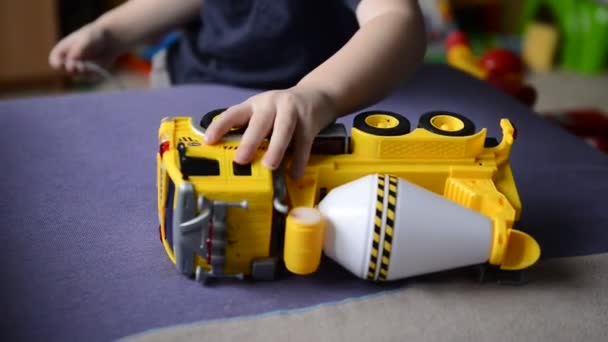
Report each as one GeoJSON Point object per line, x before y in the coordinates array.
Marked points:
{"type": "Point", "coordinates": [385, 202]}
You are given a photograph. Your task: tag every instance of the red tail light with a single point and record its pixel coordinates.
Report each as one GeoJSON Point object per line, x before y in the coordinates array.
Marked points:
{"type": "Point", "coordinates": [164, 146]}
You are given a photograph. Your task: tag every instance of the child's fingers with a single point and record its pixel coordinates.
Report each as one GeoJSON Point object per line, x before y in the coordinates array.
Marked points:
{"type": "Point", "coordinates": [232, 117]}
{"type": "Point", "coordinates": [56, 58]}
{"type": "Point", "coordinates": [284, 126]}
{"type": "Point", "coordinates": [80, 67]}
{"type": "Point", "coordinates": [59, 53]}
{"type": "Point", "coordinates": [77, 50]}
{"type": "Point", "coordinates": [301, 154]}
{"type": "Point", "coordinates": [85, 72]}
{"type": "Point", "coordinates": [259, 125]}
{"type": "Point", "coordinates": [70, 66]}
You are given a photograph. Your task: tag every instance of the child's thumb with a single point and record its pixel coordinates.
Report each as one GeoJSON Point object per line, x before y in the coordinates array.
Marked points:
{"type": "Point", "coordinates": [77, 50]}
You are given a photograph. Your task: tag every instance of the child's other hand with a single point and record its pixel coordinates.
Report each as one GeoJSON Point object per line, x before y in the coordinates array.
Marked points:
{"type": "Point", "coordinates": [90, 43]}
{"type": "Point", "coordinates": [295, 114]}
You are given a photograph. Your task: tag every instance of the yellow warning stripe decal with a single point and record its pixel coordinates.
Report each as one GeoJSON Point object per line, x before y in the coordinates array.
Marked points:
{"type": "Point", "coordinates": [371, 269]}
{"type": "Point", "coordinates": [389, 227]}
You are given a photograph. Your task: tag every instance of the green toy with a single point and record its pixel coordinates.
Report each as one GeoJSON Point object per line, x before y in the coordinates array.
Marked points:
{"type": "Point", "coordinates": [583, 27]}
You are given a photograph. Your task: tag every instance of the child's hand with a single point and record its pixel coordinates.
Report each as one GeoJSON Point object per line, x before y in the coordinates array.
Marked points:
{"type": "Point", "coordinates": [90, 43]}
{"type": "Point", "coordinates": [294, 114]}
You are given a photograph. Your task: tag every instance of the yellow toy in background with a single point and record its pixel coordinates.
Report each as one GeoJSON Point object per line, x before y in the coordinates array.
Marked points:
{"type": "Point", "coordinates": [539, 46]}
{"type": "Point", "coordinates": [385, 202]}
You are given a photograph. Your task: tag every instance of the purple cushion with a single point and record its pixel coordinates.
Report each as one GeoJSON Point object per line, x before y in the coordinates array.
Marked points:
{"type": "Point", "coordinates": [81, 257]}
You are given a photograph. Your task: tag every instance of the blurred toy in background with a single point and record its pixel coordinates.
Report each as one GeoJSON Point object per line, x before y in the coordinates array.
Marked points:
{"type": "Point", "coordinates": [438, 18]}
{"type": "Point", "coordinates": [487, 23]}
{"type": "Point", "coordinates": [438, 23]}
{"type": "Point", "coordinates": [140, 59]}
{"type": "Point", "coordinates": [498, 66]}
{"type": "Point", "coordinates": [571, 34]}
{"type": "Point", "coordinates": [133, 62]}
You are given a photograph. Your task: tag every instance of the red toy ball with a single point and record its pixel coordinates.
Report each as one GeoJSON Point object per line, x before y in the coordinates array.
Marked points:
{"type": "Point", "coordinates": [502, 62]}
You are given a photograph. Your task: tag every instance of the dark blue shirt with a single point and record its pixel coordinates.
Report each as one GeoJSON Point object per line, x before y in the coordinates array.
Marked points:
{"type": "Point", "coordinates": [260, 43]}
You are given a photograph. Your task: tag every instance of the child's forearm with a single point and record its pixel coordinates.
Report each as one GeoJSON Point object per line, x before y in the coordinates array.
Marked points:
{"type": "Point", "coordinates": [388, 48]}
{"type": "Point", "coordinates": [136, 21]}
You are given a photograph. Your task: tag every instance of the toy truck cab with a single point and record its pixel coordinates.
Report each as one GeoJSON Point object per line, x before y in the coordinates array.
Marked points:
{"type": "Point", "coordinates": [201, 193]}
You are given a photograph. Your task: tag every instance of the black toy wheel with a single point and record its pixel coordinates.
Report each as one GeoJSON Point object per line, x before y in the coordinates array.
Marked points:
{"type": "Point", "coordinates": [212, 115]}
{"type": "Point", "coordinates": [382, 123]}
{"type": "Point", "coordinates": [447, 123]}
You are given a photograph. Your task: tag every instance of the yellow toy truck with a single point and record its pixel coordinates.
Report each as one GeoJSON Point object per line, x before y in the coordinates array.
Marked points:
{"type": "Point", "coordinates": [385, 202]}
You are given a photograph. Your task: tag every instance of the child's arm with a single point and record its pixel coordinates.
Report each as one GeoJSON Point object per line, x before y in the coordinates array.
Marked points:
{"type": "Point", "coordinates": [136, 21]}
{"type": "Point", "coordinates": [129, 24]}
{"type": "Point", "coordinates": [386, 50]}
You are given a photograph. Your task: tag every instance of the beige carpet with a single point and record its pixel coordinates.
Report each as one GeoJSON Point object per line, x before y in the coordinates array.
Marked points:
{"type": "Point", "coordinates": [564, 90]}
{"type": "Point", "coordinates": [566, 300]}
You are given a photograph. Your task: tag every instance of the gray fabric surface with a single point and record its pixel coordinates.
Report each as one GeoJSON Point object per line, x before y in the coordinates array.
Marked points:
{"type": "Point", "coordinates": [567, 300]}
{"type": "Point", "coordinates": [81, 258]}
